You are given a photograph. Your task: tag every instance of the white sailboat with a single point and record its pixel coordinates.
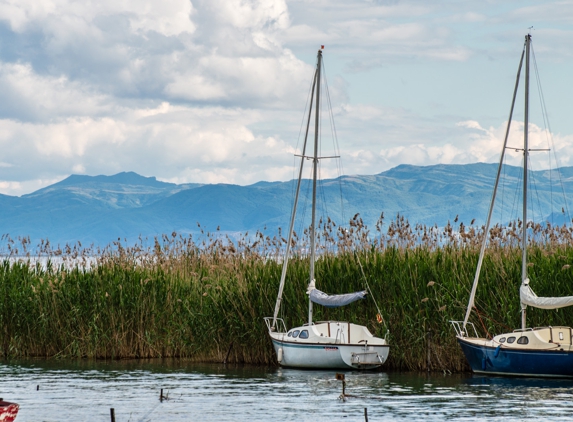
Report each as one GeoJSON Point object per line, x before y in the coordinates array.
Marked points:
{"type": "Point", "coordinates": [327, 344]}
{"type": "Point", "coordinates": [540, 351]}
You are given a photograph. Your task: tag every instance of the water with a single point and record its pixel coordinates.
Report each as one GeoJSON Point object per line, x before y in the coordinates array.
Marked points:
{"type": "Point", "coordinates": [85, 391]}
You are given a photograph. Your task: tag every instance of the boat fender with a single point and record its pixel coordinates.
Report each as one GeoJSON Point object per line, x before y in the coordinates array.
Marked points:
{"type": "Point", "coordinates": [497, 349]}
{"type": "Point", "coordinates": [280, 355]}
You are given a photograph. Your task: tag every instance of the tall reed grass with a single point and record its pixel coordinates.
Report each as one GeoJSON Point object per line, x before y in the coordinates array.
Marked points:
{"type": "Point", "coordinates": [204, 298]}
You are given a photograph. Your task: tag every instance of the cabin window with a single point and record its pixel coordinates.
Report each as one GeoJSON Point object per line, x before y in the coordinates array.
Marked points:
{"type": "Point", "coordinates": [502, 340]}
{"type": "Point", "coordinates": [303, 334]}
{"type": "Point", "coordinates": [295, 333]}
{"type": "Point", "coordinates": [289, 334]}
{"type": "Point", "coordinates": [522, 340]}
{"type": "Point", "coordinates": [510, 339]}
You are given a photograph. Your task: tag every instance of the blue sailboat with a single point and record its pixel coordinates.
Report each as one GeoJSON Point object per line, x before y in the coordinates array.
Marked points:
{"type": "Point", "coordinates": [540, 351]}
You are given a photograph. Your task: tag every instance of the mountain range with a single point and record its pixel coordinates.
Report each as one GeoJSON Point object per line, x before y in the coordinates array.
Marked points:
{"type": "Point", "coordinates": [101, 209]}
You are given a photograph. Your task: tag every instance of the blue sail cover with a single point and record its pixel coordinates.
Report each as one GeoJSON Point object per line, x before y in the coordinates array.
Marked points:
{"type": "Point", "coordinates": [334, 301]}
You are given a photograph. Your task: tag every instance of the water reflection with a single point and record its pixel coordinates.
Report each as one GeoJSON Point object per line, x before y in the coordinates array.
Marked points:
{"type": "Point", "coordinates": [86, 390]}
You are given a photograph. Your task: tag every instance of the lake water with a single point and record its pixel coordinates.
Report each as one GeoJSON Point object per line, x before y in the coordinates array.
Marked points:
{"type": "Point", "coordinates": [85, 391]}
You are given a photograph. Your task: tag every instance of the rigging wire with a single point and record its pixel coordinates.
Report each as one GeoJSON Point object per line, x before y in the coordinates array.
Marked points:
{"type": "Point", "coordinates": [516, 194]}
{"type": "Point", "coordinates": [336, 146]}
{"type": "Point", "coordinates": [298, 230]}
{"type": "Point", "coordinates": [504, 180]}
{"type": "Point", "coordinates": [545, 123]}
{"type": "Point", "coordinates": [549, 137]}
{"type": "Point", "coordinates": [532, 182]}
{"type": "Point", "coordinates": [294, 167]}
{"type": "Point", "coordinates": [320, 183]}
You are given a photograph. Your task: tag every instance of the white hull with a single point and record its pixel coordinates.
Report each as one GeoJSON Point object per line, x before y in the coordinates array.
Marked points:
{"type": "Point", "coordinates": [330, 344]}
{"type": "Point", "coordinates": [323, 351]}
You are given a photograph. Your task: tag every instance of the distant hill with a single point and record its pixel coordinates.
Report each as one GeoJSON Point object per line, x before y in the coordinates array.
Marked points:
{"type": "Point", "coordinates": [100, 209]}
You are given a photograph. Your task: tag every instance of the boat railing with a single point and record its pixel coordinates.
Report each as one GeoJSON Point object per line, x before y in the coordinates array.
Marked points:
{"type": "Point", "coordinates": [522, 330]}
{"type": "Point", "coordinates": [459, 327]}
{"type": "Point", "coordinates": [339, 339]}
{"type": "Point", "coordinates": [556, 327]}
{"type": "Point", "coordinates": [280, 325]}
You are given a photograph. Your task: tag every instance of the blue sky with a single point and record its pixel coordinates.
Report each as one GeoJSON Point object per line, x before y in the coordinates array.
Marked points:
{"type": "Point", "coordinates": [213, 91]}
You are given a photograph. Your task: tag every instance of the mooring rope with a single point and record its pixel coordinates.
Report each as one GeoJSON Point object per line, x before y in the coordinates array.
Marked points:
{"type": "Point", "coordinates": [371, 295]}
{"type": "Point", "coordinates": [145, 417]}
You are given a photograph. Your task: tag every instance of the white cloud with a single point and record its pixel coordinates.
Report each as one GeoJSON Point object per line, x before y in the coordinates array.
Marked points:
{"type": "Point", "coordinates": [255, 14]}
{"type": "Point", "coordinates": [208, 144]}
{"type": "Point", "coordinates": [152, 48]}
{"type": "Point", "coordinates": [484, 145]}
{"type": "Point", "coordinates": [167, 17]}
{"type": "Point", "coordinates": [29, 96]}
{"type": "Point", "coordinates": [213, 90]}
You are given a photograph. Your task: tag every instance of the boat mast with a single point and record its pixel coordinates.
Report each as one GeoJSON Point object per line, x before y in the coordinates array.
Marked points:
{"type": "Point", "coordinates": [293, 216]}
{"type": "Point", "coordinates": [314, 176]}
{"type": "Point", "coordinates": [493, 196]}
{"type": "Point", "coordinates": [525, 158]}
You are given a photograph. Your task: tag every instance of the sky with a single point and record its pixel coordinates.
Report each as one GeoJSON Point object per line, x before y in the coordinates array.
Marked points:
{"type": "Point", "coordinates": [214, 91]}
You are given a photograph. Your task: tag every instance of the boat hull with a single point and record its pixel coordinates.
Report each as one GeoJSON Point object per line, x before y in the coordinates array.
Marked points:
{"type": "Point", "coordinates": [511, 362]}
{"type": "Point", "coordinates": [330, 356]}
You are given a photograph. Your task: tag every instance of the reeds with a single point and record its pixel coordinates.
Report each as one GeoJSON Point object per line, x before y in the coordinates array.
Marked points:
{"type": "Point", "coordinates": [204, 298]}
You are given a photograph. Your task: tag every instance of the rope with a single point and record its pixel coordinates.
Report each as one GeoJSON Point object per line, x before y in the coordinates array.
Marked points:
{"type": "Point", "coordinates": [488, 335]}
{"type": "Point", "coordinates": [146, 416]}
{"type": "Point", "coordinates": [371, 295]}
{"type": "Point", "coordinates": [479, 314]}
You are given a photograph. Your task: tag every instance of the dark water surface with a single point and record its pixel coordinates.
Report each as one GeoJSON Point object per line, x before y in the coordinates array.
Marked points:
{"type": "Point", "coordinates": [85, 391]}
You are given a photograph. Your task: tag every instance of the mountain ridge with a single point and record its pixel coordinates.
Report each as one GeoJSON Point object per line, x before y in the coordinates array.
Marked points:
{"type": "Point", "coordinates": [101, 209]}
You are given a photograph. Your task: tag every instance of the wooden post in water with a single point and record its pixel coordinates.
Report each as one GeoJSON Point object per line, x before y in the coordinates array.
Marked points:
{"type": "Point", "coordinates": [366, 414]}
{"type": "Point", "coordinates": [340, 377]}
{"type": "Point", "coordinates": [112, 414]}
{"type": "Point", "coordinates": [161, 395]}
{"type": "Point", "coordinates": [228, 353]}
{"type": "Point", "coordinates": [428, 345]}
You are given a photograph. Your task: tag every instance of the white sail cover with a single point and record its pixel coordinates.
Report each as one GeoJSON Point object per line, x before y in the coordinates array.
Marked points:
{"type": "Point", "coordinates": [333, 301]}
{"type": "Point", "coordinates": [528, 297]}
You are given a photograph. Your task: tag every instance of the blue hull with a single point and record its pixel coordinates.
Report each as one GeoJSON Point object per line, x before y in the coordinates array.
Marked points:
{"type": "Point", "coordinates": [526, 362]}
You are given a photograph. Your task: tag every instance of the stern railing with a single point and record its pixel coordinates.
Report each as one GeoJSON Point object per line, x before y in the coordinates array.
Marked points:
{"type": "Point", "coordinates": [280, 324]}
{"type": "Point", "coordinates": [460, 331]}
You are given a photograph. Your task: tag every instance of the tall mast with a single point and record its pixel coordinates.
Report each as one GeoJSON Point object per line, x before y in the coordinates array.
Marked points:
{"type": "Point", "coordinates": [293, 216]}
{"type": "Point", "coordinates": [314, 176]}
{"type": "Point", "coordinates": [525, 158]}
{"type": "Point", "coordinates": [493, 196]}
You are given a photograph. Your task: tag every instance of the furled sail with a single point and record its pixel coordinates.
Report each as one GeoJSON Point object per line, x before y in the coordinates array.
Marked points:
{"type": "Point", "coordinates": [528, 297]}
{"type": "Point", "coordinates": [333, 301]}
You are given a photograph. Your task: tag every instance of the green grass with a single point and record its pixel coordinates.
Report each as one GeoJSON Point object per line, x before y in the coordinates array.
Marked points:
{"type": "Point", "coordinates": [200, 299]}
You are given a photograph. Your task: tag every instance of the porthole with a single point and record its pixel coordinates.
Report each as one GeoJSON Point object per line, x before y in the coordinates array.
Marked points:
{"type": "Point", "coordinates": [303, 334]}
{"type": "Point", "coordinates": [522, 340]}
{"type": "Point", "coordinates": [295, 333]}
{"type": "Point", "coordinates": [502, 340]}
{"type": "Point", "coordinates": [510, 339]}
{"type": "Point", "coordinates": [289, 334]}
